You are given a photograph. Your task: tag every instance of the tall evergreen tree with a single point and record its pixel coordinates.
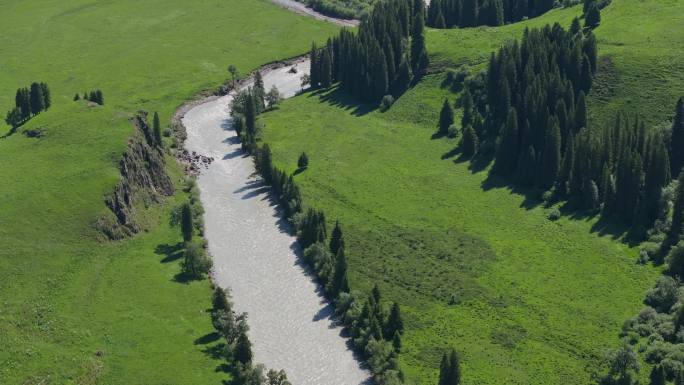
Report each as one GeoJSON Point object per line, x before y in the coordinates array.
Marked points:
{"type": "Point", "coordinates": [552, 154]}
{"type": "Point", "coordinates": [37, 99]}
{"type": "Point", "coordinates": [446, 117]}
{"type": "Point", "coordinates": [395, 323]}
{"type": "Point", "coordinates": [243, 349]}
{"type": "Point", "coordinates": [314, 74]}
{"type": "Point", "coordinates": [469, 13]}
{"type": "Point", "coordinates": [677, 139]}
{"type": "Point", "coordinates": [593, 17]}
{"type": "Point", "coordinates": [340, 283]}
{"type": "Point", "coordinates": [419, 59]}
{"type": "Point", "coordinates": [47, 98]}
{"type": "Point", "coordinates": [470, 142]}
{"type": "Point", "coordinates": [187, 227]}
{"type": "Point", "coordinates": [677, 212]}
{"type": "Point", "coordinates": [326, 68]}
{"type": "Point", "coordinates": [156, 129]}
{"type": "Point", "coordinates": [581, 112]}
{"type": "Point", "coordinates": [507, 153]}
{"type": "Point", "coordinates": [336, 239]}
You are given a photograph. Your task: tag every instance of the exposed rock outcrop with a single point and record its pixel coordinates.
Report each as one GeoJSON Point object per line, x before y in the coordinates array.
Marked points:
{"type": "Point", "coordinates": [143, 182]}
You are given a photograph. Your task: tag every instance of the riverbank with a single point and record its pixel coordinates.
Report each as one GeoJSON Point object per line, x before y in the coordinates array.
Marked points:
{"type": "Point", "coordinates": [256, 256]}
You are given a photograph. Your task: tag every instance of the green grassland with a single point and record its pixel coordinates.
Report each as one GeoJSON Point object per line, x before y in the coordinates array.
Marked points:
{"type": "Point", "coordinates": [476, 264]}
{"type": "Point", "coordinates": [64, 295]}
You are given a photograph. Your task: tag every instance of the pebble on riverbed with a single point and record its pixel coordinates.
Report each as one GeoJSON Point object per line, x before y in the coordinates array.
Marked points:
{"type": "Point", "coordinates": [193, 162]}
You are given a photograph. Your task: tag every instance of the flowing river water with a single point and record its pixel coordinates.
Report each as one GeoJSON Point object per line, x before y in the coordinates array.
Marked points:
{"type": "Point", "coordinates": [256, 256]}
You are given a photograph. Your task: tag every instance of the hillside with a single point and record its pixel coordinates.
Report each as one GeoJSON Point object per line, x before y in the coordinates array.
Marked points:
{"type": "Point", "coordinates": [80, 310]}
{"type": "Point", "coordinates": [477, 265]}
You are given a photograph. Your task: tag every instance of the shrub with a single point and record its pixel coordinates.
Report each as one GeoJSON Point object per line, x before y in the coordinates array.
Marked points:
{"type": "Point", "coordinates": [386, 102]}
{"type": "Point", "coordinates": [453, 131]}
{"type": "Point", "coordinates": [663, 295]}
{"type": "Point", "coordinates": [196, 263]}
{"type": "Point", "coordinates": [554, 215]}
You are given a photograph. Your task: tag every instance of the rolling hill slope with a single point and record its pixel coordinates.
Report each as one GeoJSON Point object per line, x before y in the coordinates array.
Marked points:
{"type": "Point", "coordinates": [477, 265]}
{"type": "Point", "coordinates": [74, 309]}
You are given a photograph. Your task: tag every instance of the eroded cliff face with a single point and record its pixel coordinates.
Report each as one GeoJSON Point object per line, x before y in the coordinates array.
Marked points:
{"type": "Point", "coordinates": [144, 181]}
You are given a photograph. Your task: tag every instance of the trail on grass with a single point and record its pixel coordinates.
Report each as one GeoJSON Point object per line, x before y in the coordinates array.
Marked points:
{"type": "Point", "coordinates": [255, 255]}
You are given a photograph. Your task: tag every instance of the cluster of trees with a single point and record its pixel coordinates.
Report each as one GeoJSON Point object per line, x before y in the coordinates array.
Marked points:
{"type": "Point", "coordinates": [246, 107]}
{"type": "Point", "coordinates": [94, 96]}
{"type": "Point", "coordinates": [532, 89]}
{"type": "Point", "coordinates": [471, 13]}
{"type": "Point", "coordinates": [450, 369]}
{"type": "Point", "coordinates": [592, 12]}
{"type": "Point", "coordinates": [28, 102]}
{"type": "Point", "coordinates": [381, 59]}
{"type": "Point", "coordinates": [238, 349]}
{"type": "Point", "coordinates": [345, 9]}
{"type": "Point", "coordinates": [196, 262]}
{"type": "Point", "coordinates": [375, 332]}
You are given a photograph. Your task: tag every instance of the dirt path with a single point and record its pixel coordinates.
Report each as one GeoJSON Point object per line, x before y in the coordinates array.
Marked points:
{"type": "Point", "coordinates": [255, 255]}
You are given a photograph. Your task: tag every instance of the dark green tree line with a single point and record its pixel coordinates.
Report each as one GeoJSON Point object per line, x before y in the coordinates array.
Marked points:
{"type": "Point", "coordinates": [471, 13]}
{"type": "Point", "coordinates": [380, 59]}
{"type": "Point", "coordinates": [28, 102]}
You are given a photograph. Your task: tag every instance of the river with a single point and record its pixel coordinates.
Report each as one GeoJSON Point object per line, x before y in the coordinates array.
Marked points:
{"type": "Point", "coordinates": [256, 256]}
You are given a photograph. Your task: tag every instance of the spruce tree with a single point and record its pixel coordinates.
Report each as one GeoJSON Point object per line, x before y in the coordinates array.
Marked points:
{"type": "Point", "coordinates": [446, 117]}
{"type": "Point", "coordinates": [507, 154]}
{"type": "Point", "coordinates": [259, 91]}
{"type": "Point", "coordinates": [395, 323]}
{"type": "Point", "coordinates": [37, 99]}
{"type": "Point", "coordinates": [587, 76]}
{"type": "Point", "coordinates": [552, 155]}
{"type": "Point", "coordinates": [314, 74]}
{"type": "Point", "coordinates": [468, 106]}
{"type": "Point", "coordinates": [581, 112]}
{"type": "Point", "coordinates": [469, 13]}
{"type": "Point", "coordinates": [336, 239]}
{"type": "Point", "coordinates": [677, 212]}
{"type": "Point", "coordinates": [326, 69]}
{"type": "Point", "coordinates": [470, 142]}
{"type": "Point", "coordinates": [593, 17]}
{"type": "Point", "coordinates": [418, 52]}
{"type": "Point", "coordinates": [77, 97]}
{"type": "Point", "coordinates": [677, 139]}
{"type": "Point", "coordinates": [340, 283]}
{"type": "Point", "coordinates": [156, 129]}
{"type": "Point", "coordinates": [99, 97]}
{"type": "Point", "coordinates": [186, 222]}
{"type": "Point", "coordinates": [439, 21]}
{"type": "Point", "coordinates": [657, 376]}
{"type": "Point", "coordinates": [47, 98]}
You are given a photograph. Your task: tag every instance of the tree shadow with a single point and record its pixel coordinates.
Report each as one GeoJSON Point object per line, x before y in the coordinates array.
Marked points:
{"type": "Point", "coordinates": [9, 133]}
{"type": "Point", "coordinates": [341, 99]}
{"type": "Point", "coordinates": [480, 162]}
{"type": "Point", "coordinates": [183, 278]}
{"type": "Point", "coordinates": [171, 252]}
{"type": "Point", "coordinates": [207, 338]}
{"type": "Point", "coordinates": [215, 351]}
{"type": "Point", "coordinates": [299, 170]}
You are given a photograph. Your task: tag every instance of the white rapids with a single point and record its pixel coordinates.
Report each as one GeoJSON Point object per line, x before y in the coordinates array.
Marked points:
{"type": "Point", "coordinates": [256, 257]}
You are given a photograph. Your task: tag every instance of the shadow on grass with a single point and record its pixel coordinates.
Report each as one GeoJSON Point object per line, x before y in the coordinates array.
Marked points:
{"type": "Point", "coordinates": [171, 252]}
{"type": "Point", "coordinates": [299, 170]}
{"type": "Point", "coordinates": [569, 208]}
{"type": "Point", "coordinates": [208, 338]}
{"type": "Point", "coordinates": [341, 99]}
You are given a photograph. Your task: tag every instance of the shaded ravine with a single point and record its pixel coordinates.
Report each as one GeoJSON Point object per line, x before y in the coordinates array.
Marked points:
{"type": "Point", "coordinates": [256, 256]}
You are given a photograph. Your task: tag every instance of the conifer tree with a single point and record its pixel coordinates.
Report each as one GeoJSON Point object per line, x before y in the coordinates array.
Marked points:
{"type": "Point", "coordinates": [336, 239]}
{"type": "Point", "coordinates": [419, 60]}
{"type": "Point", "coordinates": [470, 142]}
{"type": "Point", "coordinates": [552, 155]}
{"type": "Point", "coordinates": [186, 222]}
{"type": "Point", "coordinates": [156, 129]}
{"type": "Point", "coordinates": [507, 153]}
{"type": "Point", "coordinates": [326, 69]}
{"type": "Point", "coordinates": [439, 21]}
{"type": "Point", "coordinates": [77, 97]}
{"type": "Point", "coordinates": [314, 74]}
{"type": "Point", "coordinates": [593, 16]}
{"type": "Point", "coordinates": [468, 112]}
{"type": "Point", "coordinates": [677, 139]}
{"type": "Point", "coordinates": [339, 282]}
{"type": "Point", "coordinates": [469, 13]}
{"type": "Point", "coordinates": [395, 323]}
{"type": "Point", "coordinates": [47, 98]}
{"type": "Point", "coordinates": [446, 117]}
{"type": "Point", "coordinates": [259, 92]}
{"type": "Point", "coordinates": [37, 99]}
{"type": "Point", "coordinates": [657, 376]}
{"type": "Point", "coordinates": [677, 212]}
{"type": "Point", "coordinates": [581, 112]}
{"type": "Point", "coordinates": [99, 97]}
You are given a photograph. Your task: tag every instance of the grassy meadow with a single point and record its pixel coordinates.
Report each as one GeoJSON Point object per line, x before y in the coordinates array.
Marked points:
{"type": "Point", "coordinates": [476, 264]}
{"type": "Point", "coordinates": [75, 310]}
